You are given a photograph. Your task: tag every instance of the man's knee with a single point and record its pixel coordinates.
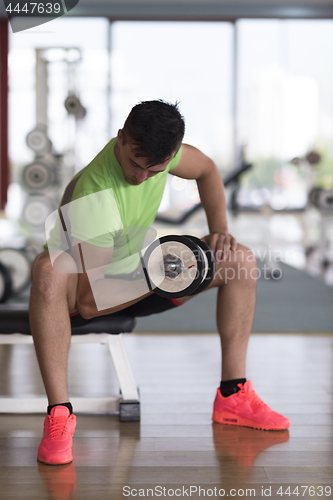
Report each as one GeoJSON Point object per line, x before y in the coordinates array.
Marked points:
{"type": "Point", "coordinates": [40, 263]}
{"type": "Point", "coordinates": [244, 264]}
{"type": "Point", "coordinates": [240, 265]}
{"type": "Point", "coordinates": [46, 276]}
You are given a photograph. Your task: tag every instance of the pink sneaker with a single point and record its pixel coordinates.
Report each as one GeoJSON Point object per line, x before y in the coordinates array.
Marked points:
{"type": "Point", "coordinates": [56, 445]}
{"type": "Point", "coordinates": [247, 409]}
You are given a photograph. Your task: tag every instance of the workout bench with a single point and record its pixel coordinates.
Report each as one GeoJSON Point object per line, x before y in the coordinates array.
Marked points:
{"type": "Point", "coordinates": [15, 329]}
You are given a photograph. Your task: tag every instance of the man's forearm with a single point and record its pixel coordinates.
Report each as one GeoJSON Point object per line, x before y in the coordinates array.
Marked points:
{"type": "Point", "coordinates": [107, 296]}
{"type": "Point", "coordinates": [211, 191]}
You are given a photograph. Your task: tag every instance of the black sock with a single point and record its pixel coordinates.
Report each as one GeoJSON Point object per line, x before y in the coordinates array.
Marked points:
{"type": "Point", "coordinates": [229, 387]}
{"type": "Point", "coordinates": [68, 405]}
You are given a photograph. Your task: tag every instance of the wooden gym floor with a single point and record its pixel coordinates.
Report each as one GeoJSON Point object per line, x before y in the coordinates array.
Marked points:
{"type": "Point", "coordinates": [176, 445]}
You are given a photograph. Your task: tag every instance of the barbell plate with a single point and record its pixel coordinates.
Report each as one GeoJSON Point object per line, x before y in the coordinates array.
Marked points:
{"type": "Point", "coordinates": [313, 157]}
{"type": "Point", "coordinates": [37, 175]}
{"type": "Point", "coordinates": [210, 267]}
{"type": "Point", "coordinates": [74, 107]}
{"type": "Point", "coordinates": [314, 195]}
{"type": "Point", "coordinates": [192, 263]}
{"type": "Point", "coordinates": [5, 284]}
{"type": "Point", "coordinates": [18, 264]}
{"type": "Point", "coordinates": [325, 200]}
{"type": "Point", "coordinates": [36, 211]}
{"type": "Point", "coordinates": [38, 141]}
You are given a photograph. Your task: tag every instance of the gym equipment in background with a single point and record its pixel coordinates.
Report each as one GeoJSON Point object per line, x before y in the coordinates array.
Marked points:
{"type": "Point", "coordinates": [44, 179]}
{"type": "Point", "coordinates": [40, 179]}
{"type": "Point", "coordinates": [15, 265]}
{"type": "Point", "coordinates": [322, 199]}
{"type": "Point", "coordinates": [18, 264]}
{"type": "Point", "coordinates": [36, 210]}
{"type": "Point", "coordinates": [38, 141]}
{"type": "Point", "coordinates": [5, 284]}
{"type": "Point", "coordinates": [74, 107]}
{"type": "Point", "coordinates": [232, 181]}
{"type": "Point", "coordinates": [38, 175]}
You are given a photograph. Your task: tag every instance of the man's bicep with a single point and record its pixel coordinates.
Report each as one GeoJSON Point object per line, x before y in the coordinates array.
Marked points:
{"type": "Point", "coordinates": [91, 259]}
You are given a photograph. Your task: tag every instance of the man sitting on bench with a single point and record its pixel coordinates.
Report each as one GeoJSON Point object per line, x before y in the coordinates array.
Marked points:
{"type": "Point", "coordinates": [133, 167]}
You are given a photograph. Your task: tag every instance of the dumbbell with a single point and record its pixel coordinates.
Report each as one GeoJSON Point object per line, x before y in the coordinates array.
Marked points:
{"type": "Point", "coordinates": [176, 266]}
{"type": "Point", "coordinates": [36, 210]}
{"type": "Point", "coordinates": [37, 176]}
{"type": "Point", "coordinates": [322, 199]}
{"type": "Point", "coordinates": [14, 272]}
{"type": "Point", "coordinates": [38, 141]}
{"type": "Point", "coordinates": [74, 107]}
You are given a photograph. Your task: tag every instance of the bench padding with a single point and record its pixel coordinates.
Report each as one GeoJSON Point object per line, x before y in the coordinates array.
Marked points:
{"type": "Point", "coordinates": [15, 319]}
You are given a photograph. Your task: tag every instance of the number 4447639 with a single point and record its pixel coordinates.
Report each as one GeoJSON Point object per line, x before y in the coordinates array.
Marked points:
{"type": "Point", "coordinates": [34, 8]}
{"type": "Point", "coordinates": [312, 491]}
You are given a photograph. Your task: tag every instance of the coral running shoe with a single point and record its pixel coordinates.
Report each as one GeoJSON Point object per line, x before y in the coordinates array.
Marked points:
{"type": "Point", "coordinates": [56, 445]}
{"type": "Point", "coordinates": [247, 409]}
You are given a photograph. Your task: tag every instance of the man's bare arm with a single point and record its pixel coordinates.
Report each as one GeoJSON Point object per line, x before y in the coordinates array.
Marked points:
{"type": "Point", "coordinates": [196, 165]}
{"type": "Point", "coordinates": [97, 295]}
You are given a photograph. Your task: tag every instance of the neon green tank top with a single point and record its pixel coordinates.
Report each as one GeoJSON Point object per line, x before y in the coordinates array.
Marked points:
{"type": "Point", "coordinates": [102, 208]}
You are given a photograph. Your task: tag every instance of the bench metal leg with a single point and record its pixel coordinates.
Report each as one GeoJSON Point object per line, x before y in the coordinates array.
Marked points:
{"type": "Point", "coordinates": [127, 404]}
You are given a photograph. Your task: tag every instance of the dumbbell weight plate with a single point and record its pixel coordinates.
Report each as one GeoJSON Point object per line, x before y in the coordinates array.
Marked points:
{"type": "Point", "coordinates": [210, 264]}
{"type": "Point", "coordinates": [192, 262]}
{"type": "Point", "coordinates": [38, 141]}
{"type": "Point", "coordinates": [36, 210]}
{"type": "Point", "coordinates": [74, 107]}
{"type": "Point", "coordinates": [72, 104]}
{"type": "Point", "coordinates": [325, 201]}
{"type": "Point", "coordinates": [5, 284]}
{"type": "Point", "coordinates": [37, 176]}
{"type": "Point", "coordinates": [314, 195]}
{"type": "Point", "coordinates": [18, 265]}
{"type": "Point", "coordinates": [313, 157]}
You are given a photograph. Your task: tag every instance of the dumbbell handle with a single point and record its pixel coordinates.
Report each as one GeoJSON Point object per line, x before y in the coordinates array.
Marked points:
{"type": "Point", "coordinates": [175, 266]}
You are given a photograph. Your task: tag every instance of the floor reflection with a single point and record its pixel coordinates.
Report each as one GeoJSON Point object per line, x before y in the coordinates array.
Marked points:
{"type": "Point", "coordinates": [60, 480]}
{"type": "Point", "coordinates": [237, 447]}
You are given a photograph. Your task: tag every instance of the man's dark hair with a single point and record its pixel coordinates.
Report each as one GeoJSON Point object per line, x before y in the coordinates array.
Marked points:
{"type": "Point", "coordinates": [156, 130]}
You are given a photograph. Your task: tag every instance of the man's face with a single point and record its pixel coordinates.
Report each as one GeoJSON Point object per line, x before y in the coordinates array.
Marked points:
{"type": "Point", "coordinates": [136, 170]}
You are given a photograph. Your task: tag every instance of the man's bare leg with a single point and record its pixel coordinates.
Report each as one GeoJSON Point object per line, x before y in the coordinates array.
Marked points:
{"type": "Point", "coordinates": [236, 279]}
{"type": "Point", "coordinates": [52, 299]}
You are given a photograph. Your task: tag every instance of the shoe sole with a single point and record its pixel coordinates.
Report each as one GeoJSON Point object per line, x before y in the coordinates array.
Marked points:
{"type": "Point", "coordinates": [54, 463]}
{"type": "Point", "coordinates": [229, 419]}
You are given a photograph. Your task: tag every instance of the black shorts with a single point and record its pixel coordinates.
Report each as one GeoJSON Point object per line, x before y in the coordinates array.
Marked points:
{"type": "Point", "coordinates": [152, 304]}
